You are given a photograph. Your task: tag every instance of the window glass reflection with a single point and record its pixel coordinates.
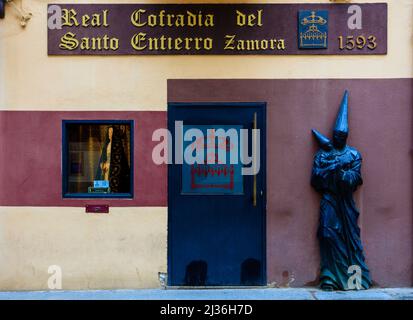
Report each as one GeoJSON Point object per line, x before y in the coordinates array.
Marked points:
{"type": "Point", "coordinates": [99, 158]}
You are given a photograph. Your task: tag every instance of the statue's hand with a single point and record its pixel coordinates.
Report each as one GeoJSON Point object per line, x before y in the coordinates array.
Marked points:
{"type": "Point", "coordinates": [336, 165]}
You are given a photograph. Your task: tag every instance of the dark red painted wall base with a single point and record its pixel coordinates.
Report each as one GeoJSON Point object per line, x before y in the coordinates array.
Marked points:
{"type": "Point", "coordinates": [31, 153]}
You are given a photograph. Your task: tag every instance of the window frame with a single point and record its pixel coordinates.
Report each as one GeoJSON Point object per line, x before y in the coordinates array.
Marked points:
{"type": "Point", "coordinates": [65, 155]}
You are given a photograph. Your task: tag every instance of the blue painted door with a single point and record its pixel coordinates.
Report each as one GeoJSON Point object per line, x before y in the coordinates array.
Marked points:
{"type": "Point", "coordinates": [216, 214]}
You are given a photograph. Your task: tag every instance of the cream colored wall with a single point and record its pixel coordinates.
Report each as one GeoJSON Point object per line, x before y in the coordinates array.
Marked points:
{"type": "Point", "coordinates": [127, 248]}
{"type": "Point", "coordinates": [35, 81]}
{"type": "Point", "coordinates": [123, 249]}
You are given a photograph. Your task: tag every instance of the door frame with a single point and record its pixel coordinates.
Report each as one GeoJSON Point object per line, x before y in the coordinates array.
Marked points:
{"type": "Point", "coordinates": [263, 166]}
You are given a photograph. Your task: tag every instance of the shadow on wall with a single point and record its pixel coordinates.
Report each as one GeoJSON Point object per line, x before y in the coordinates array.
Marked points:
{"type": "Point", "coordinates": [197, 270]}
{"type": "Point", "coordinates": [196, 273]}
{"type": "Point", "coordinates": [251, 272]}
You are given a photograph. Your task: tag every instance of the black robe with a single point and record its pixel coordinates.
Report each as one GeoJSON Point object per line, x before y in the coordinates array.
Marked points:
{"type": "Point", "coordinates": [119, 170]}
{"type": "Point", "coordinates": [338, 232]}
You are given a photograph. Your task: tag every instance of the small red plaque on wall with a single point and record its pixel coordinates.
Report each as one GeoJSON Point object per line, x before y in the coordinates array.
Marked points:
{"type": "Point", "coordinates": [97, 208]}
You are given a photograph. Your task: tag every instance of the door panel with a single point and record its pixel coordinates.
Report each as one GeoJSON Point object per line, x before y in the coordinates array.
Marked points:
{"type": "Point", "coordinates": [216, 230]}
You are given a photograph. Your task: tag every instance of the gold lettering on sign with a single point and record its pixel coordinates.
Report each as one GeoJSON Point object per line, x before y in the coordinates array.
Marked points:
{"type": "Point", "coordinates": [69, 42]}
{"type": "Point", "coordinates": [250, 20]}
{"type": "Point", "coordinates": [359, 42]}
{"type": "Point", "coordinates": [141, 41]}
{"type": "Point", "coordinates": [229, 42]}
{"type": "Point", "coordinates": [99, 43]}
{"type": "Point", "coordinates": [100, 20]}
{"type": "Point", "coordinates": [232, 43]}
{"type": "Point", "coordinates": [281, 44]}
{"type": "Point", "coordinates": [137, 41]}
{"type": "Point", "coordinates": [209, 20]}
{"type": "Point", "coordinates": [192, 21]}
{"type": "Point", "coordinates": [69, 19]}
{"type": "Point", "coordinates": [136, 18]}
{"type": "Point", "coordinates": [140, 18]}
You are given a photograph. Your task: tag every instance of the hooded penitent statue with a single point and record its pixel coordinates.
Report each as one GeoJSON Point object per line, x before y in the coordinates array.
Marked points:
{"type": "Point", "coordinates": [336, 175]}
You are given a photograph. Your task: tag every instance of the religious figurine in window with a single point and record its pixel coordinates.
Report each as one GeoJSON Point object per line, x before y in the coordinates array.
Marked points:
{"type": "Point", "coordinates": [113, 163]}
{"type": "Point", "coordinates": [336, 175]}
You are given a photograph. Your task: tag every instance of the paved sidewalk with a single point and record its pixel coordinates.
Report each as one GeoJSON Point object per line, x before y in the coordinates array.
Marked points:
{"type": "Point", "coordinates": [213, 294]}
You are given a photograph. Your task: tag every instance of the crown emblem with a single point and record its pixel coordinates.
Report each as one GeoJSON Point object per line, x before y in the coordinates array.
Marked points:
{"type": "Point", "coordinates": [313, 29]}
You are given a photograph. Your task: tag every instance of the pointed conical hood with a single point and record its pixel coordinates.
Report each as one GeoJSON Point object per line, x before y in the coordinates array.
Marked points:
{"type": "Point", "coordinates": [342, 116]}
{"type": "Point", "coordinates": [322, 140]}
